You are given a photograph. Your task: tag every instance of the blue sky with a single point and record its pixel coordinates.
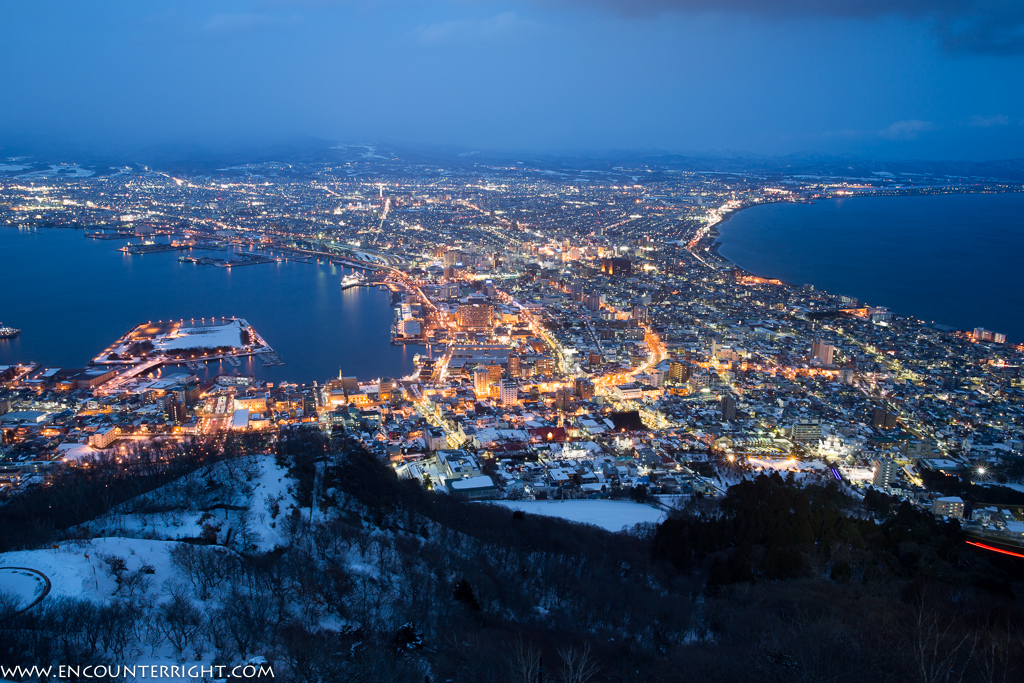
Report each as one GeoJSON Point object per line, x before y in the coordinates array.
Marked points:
{"type": "Point", "coordinates": [895, 79]}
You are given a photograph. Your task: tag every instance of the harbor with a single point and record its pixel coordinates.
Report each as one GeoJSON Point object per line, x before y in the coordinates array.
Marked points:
{"type": "Point", "coordinates": [245, 259]}
{"type": "Point", "coordinates": [297, 306]}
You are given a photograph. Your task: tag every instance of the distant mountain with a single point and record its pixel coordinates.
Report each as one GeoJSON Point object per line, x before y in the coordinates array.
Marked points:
{"type": "Point", "coordinates": [210, 156]}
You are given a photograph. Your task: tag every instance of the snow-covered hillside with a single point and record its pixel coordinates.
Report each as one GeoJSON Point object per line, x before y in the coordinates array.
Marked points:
{"type": "Point", "coordinates": [613, 515]}
{"type": "Point", "coordinates": [243, 503]}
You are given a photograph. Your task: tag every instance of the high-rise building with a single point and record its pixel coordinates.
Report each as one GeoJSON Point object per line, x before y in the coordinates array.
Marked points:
{"type": "Point", "coordinates": [453, 257]}
{"type": "Point", "coordinates": [175, 411]}
{"type": "Point", "coordinates": [385, 386]}
{"type": "Point", "coordinates": [563, 399]}
{"type": "Point", "coordinates": [584, 388]}
{"type": "Point", "coordinates": [495, 374]}
{"type": "Point", "coordinates": [678, 372]}
{"type": "Point", "coordinates": [616, 266]}
{"type": "Point", "coordinates": [886, 472]}
{"type": "Point", "coordinates": [728, 408]}
{"type": "Point", "coordinates": [640, 313]}
{"type": "Point", "coordinates": [513, 364]}
{"type": "Point", "coordinates": [482, 382]}
{"type": "Point", "coordinates": [508, 392]}
{"type": "Point", "coordinates": [806, 430]}
{"type": "Point", "coordinates": [822, 352]}
{"type": "Point", "coordinates": [882, 418]}
{"type": "Point", "coordinates": [545, 365]}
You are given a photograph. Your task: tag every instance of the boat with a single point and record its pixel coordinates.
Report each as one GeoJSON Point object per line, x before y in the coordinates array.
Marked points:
{"type": "Point", "coordinates": [8, 332]}
{"type": "Point", "coordinates": [353, 280]}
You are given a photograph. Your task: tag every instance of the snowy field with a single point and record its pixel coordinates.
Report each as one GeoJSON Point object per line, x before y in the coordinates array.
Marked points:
{"type": "Point", "coordinates": [210, 337]}
{"type": "Point", "coordinates": [77, 569]}
{"type": "Point", "coordinates": [19, 586]}
{"type": "Point", "coordinates": [613, 515]}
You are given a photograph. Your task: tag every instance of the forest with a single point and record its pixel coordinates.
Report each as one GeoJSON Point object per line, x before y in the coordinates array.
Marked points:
{"type": "Point", "coordinates": [381, 580]}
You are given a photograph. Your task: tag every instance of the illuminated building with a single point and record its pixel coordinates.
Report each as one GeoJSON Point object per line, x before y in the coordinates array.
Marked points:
{"type": "Point", "coordinates": [563, 399]}
{"type": "Point", "coordinates": [475, 316]}
{"type": "Point", "coordinates": [513, 365]}
{"type": "Point", "coordinates": [482, 382]}
{"type": "Point", "coordinates": [453, 257]}
{"type": "Point", "coordinates": [981, 334]}
{"type": "Point", "coordinates": [822, 352]}
{"type": "Point", "coordinates": [584, 388]}
{"type": "Point", "coordinates": [508, 392]}
{"type": "Point", "coordinates": [807, 430]}
{"type": "Point", "coordinates": [545, 365]}
{"type": "Point", "coordinates": [948, 506]}
{"type": "Point", "coordinates": [678, 372]}
{"type": "Point", "coordinates": [882, 418]}
{"type": "Point", "coordinates": [617, 266]}
{"type": "Point", "coordinates": [104, 437]}
{"type": "Point", "coordinates": [886, 472]}
{"type": "Point", "coordinates": [175, 411]}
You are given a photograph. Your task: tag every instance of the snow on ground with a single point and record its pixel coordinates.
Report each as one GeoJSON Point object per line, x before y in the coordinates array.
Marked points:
{"type": "Point", "coordinates": [273, 486]}
{"type": "Point", "coordinates": [75, 451]}
{"type": "Point", "coordinates": [76, 568]}
{"type": "Point", "coordinates": [786, 465]}
{"type": "Point", "coordinates": [1016, 486]}
{"type": "Point", "coordinates": [20, 586]}
{"type": "Point", "coordinates": [613, 515]}
{"type": "Point", "coordinates": [209, 337]}
{"type": "Point", "coordinates": [251, 493]}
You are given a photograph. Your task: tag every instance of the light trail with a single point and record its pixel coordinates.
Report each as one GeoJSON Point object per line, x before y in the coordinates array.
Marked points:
{"type": "Point", "coordinates": [993, 548]}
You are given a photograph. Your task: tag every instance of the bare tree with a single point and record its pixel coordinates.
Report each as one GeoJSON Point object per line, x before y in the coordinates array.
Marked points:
{"type": "Point", "coordinates": [180, 622]}
{"type": "Point", "coordinates": [523, 662]}
{"type": "Point", "coordinates": [578, 664]}
{"type": "Point", "coordinates": [941, 651]}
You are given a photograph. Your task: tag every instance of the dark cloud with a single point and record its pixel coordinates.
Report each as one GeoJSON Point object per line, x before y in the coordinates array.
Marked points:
{"type": "Point", "coordinates": [993, 27]}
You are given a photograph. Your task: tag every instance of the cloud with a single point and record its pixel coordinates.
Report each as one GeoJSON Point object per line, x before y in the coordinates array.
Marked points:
{"type": "Point", "coordinates": [247, 23]}
{"type": "Point", "coordinates": [988, 121]}
{"type": "Point", "coordinates": [910, 129]}
{"type": "Point", "coordinates": [992, 27]}
{"type": "Point", "coordinates": [470, 30]}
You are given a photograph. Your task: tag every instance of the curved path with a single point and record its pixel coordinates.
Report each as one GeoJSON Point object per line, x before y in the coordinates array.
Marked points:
{"type": "Point", "coordinates": [39, 598]}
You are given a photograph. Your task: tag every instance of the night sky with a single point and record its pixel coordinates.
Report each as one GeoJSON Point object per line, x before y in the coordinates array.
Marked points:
{"type": "Point", "coordinates": [895, 79]}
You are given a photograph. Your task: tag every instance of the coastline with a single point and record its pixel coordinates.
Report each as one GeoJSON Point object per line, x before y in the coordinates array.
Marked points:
{"type": "Point", "coordinates": [714, 233]}
{"type": "Point", "coordinates": [958, 309]}
{"type": "Point", "coordinates": [712, 238]}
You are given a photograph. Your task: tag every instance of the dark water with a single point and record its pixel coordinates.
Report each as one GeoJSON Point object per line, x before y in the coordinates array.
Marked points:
{"type": "Point", "coordinates": [952, 259]}
{"type": "Point", "coordinates": [72, 296]}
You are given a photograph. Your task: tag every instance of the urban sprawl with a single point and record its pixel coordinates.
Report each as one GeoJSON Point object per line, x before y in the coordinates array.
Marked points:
{"type": "Point", "coordinates": [581, 336]}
